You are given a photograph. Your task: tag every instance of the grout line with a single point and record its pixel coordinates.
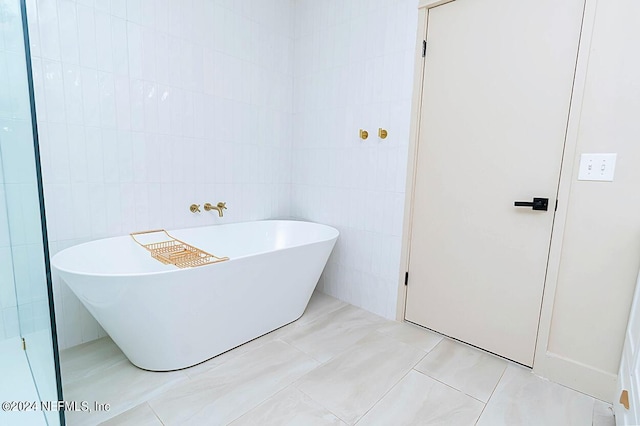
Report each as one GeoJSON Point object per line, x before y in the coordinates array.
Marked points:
{"type": "Point", "coordinates": [279, 339]}
{"type": "Point", "coordinates": [320, 404]}
{"type": "Point", "coordinates": [320, 363]}
{"type": "Point", "coordinates": [323, 315]}
{"type": "Point", "coordinates": [259, 404]}
{"type": "Point", "coordinates": [345, 351]}
{"type": "Point", "coordinates": [498, 382]}
{"type": "Point", "coordinates": [341, 352]}
{"type": "Point", "coordinates": [401, 378]}
{"type": "Point", "coordinates": [384, 395]}
{"type": "Point", "coordinates": [421, 349]}
{"type": "Point", "coordinates": [491, 396]}
{"type": "Point", "coordinates": [293, 326]}
{"type": "Point", "coordinates": [449, 386]}
{"type": "Point", "coordinates": [372, 325]}
{"type": "Point", "coordinates": [262, 402]}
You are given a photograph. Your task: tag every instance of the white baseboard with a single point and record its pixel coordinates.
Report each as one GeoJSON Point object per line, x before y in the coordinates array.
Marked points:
{"type": "Point", "coordinates": [577, 376]}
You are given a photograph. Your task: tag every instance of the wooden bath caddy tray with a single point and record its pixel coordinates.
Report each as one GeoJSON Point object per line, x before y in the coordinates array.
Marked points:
{"type": "Point", "coordinates": [172, 251]}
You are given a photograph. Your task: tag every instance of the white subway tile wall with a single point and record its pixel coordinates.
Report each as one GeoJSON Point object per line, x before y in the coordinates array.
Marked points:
{"type": "Point", "coordinates": [353, 68]}
{"type": "Point", "coordinates": [145, 107]}
{"type": "Point", "coordinates": [22, 290]}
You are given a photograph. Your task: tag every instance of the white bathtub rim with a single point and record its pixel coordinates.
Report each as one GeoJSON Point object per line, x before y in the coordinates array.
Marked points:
{"type": "Point", "coordinates": [174, 269]}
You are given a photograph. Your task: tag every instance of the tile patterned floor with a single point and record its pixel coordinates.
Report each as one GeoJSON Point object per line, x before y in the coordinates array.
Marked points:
{"type": "Point", "coordinates": [337, 365]}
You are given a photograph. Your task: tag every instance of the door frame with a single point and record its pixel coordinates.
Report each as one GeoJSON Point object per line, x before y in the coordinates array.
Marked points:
{"type": "Point", "coordinates": [545, 363]}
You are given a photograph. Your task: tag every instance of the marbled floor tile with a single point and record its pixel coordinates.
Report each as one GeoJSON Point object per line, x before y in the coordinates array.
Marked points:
{"type": "Point", "coordinates": [421, 400]}
{"type": "Point", "coordinates": [228, 391]}
{"type": "Point", "coordinates": [319, 305]}
{"type": "Point", "coordinates": [89, 358]}
{"type": "Point", "coordinates": [522, 398]}
{"type": "Point", "coordinates": [142, 415]}
{"type": "Point", "coordinates": [469, 370]}
{"type": "Point", "coordinates": [240, 350]}
{"type": "Point", "coordinates": [419, 337]}
{"type": "Point", "coordinates": [332, 334]}
{"type": "Point", "coordinates": [352, 382]}
{"type": "Point", "coordinates": [122, 385]}
{"type": "Point", "coordinates": [288, 407]}
{"type": "Point", "coordinates": [603, 414]}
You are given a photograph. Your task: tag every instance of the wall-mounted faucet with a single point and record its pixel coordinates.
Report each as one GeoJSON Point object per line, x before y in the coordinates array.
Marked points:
{"type": "Point", "coordinates": [219, 207]}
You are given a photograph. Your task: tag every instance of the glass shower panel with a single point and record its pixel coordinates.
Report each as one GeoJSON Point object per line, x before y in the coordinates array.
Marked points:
{"type": "Point", "coordinates": [8, 304]}
{"type": "Point", "coordinates": [23, 279]}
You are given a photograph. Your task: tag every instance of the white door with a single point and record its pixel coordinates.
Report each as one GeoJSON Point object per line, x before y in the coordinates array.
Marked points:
{"type": "Point", "coordinates": [627, 406]}
{"type": "Point", "coordinates": [495, 102]}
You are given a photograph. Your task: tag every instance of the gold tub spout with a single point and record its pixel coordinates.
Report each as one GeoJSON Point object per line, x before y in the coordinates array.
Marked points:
{"type": "Point", "coordinates": [219, 207]}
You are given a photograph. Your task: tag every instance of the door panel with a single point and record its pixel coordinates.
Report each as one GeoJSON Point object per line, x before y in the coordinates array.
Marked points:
{"type": "Point", "coordinates": [496, 93]}
{"type": "Point", "coordinates": [629, 372]}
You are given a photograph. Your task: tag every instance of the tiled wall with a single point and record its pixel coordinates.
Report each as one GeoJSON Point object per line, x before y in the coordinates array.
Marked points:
{"type": "Point", "coordinates": [22, 279]}
{"type": "Point", "coordinates": [354, 69]}
{"type": "Point", "coordinates": [147, 106]}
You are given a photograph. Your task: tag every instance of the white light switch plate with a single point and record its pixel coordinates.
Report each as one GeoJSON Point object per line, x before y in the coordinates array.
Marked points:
{"type": "Point", "coordinates": [597, 167]}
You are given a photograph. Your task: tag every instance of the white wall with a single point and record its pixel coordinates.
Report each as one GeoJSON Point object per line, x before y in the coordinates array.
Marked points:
{"type": "Point", "coordinates": [22, 279]}
{"type": "Point", "coordinates": [147, 106]}
{"type": "Point", "coordinates": [601, 246]}
{"type": "Point", "coordinates": [354, 69]}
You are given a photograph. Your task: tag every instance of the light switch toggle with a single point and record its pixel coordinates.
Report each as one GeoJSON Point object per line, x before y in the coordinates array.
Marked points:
{"type": "Point", "coordinates": [599, 167]}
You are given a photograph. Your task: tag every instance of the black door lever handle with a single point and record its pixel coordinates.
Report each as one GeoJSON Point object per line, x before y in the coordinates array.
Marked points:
{"type": "Point", "coordinates": [536, 204]}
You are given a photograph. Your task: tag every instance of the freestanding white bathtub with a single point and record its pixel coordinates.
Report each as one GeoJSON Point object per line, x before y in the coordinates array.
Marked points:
{"type": "Point", "coordinates": [164, 318]}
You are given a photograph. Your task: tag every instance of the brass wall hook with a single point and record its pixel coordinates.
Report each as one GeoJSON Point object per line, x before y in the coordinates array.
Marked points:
{"type": "Point", "coordinates": [364, 134]}
{"type": "Point", "coordinates": [195, 208]}
{"type": "Point", "coordinates": [382, 133]}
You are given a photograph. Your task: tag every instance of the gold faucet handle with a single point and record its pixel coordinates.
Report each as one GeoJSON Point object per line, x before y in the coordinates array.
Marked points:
{"type": "Point", "coordinates": [219, 207]}
{"type": "Point", "coordinates": [195, 208]}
